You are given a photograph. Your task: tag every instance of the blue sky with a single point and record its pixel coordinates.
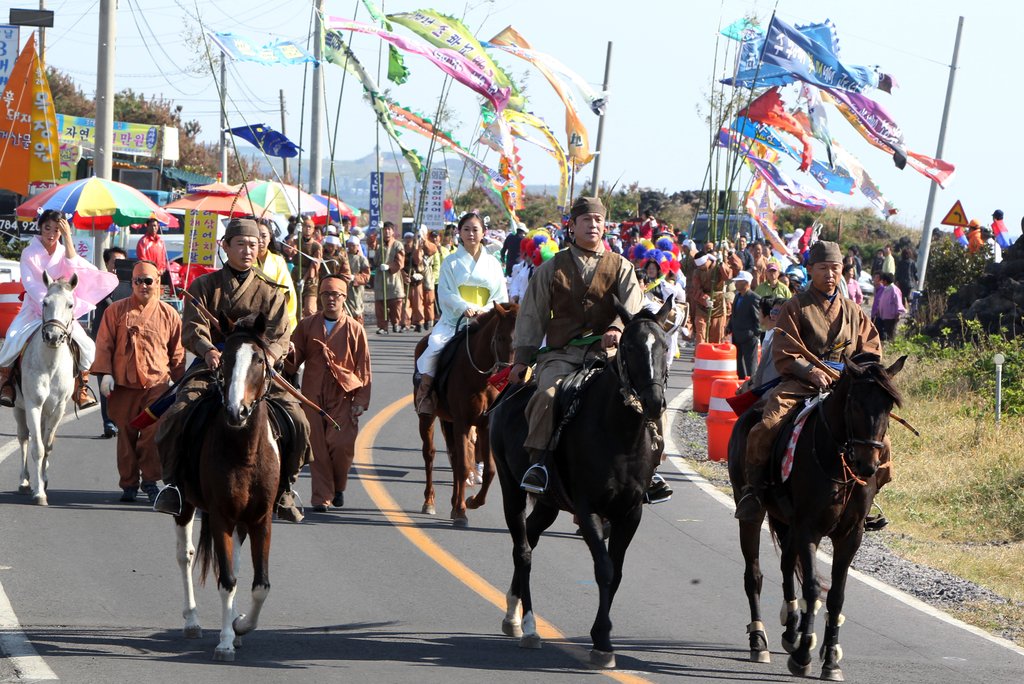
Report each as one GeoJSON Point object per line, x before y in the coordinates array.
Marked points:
{"type": "Point", "coordinates": [664, 53]}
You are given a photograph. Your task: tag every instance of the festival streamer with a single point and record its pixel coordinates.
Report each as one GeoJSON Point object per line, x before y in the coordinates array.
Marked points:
{"type": "Point", "coordinates": [768, 109]}
{"type": "Point", "coordinates": [512, 193]}
{"type": "Point", "coordinates": [578, 139]}
{"type": "Point", "coordinates": [836, 179]}
{"type": "Point", "coordinates": [761, 208]}
{"type": "Point", "coordinates": [270, 142]}
{"type": "Point", "coordinates": [443, 31]}
{"type": "Point", "coordinates": [245, 49]}
{"type": "Point", "coordinates": [516, 119]}
{"type": "Point", "coordinates": [337, 51]}
{"type": "Point", "coordinates": [451, 62]}
{"type": "Point", "coordinates": [788, 190]}
{"type": "Point", "coordinates": [875, 125]}
{"type": "Point", "coordinates": [863, 181]}
{"type": "Point", "coordinates": [817, 119]}
{"type": "Point", "coordinates": [1001, 234]}
{"type": "Point", "coordinates": [397, 71]}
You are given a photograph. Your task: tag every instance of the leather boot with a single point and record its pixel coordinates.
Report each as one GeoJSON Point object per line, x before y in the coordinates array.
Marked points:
{"type": "Point", "coordinates": [750, 506]}
{"type": "Point", "coordinates": [286, 508]}
{"type": "Point", "coordinates": [83, 395]}
{"type": "Point", "coordinates": [424, 400]}
{"type": "Point", "coordinates": [6, 388]}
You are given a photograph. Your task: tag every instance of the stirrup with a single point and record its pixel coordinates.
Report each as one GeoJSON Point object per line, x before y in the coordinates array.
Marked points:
{"type": "Point", "coordinates": [164, 496]}
{"type": "Point", "coordinates": [538, 470]}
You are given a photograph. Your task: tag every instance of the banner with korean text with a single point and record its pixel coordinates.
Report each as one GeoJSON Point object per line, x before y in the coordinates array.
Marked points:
{"type": "Point", "coordinates": [200, 237]}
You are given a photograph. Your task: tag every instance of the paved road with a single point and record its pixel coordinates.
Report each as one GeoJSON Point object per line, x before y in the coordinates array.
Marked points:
{"type": "Point", "coordinates": [385, 594]}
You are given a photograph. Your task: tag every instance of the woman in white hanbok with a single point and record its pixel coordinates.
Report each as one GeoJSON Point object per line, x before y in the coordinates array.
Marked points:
{"type": "Point", "coordinates": [471, 281]}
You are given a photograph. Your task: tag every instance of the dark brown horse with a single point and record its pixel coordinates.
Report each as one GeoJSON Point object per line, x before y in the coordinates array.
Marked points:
{"type": "Point", "coordinates": [605, 460]}
{"type": "Point", "coordinates": [234, 481]}
{"type": "Point", "coordinates": [828, 493]}
{"type": "Point", "coordinates": [463, 397]}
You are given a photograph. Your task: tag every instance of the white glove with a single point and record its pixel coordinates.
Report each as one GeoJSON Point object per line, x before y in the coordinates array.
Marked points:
{"type": "Point", "coordinates": [385, 267]}
{"type": "Point", "coordinates": [107, 385]}
{"type": "Point", "coordinates": [417, 277]}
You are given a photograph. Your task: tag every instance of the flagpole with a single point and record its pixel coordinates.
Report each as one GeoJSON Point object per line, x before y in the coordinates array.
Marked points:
{"type": "Point", "coordinates": [926, 230]}
{"type": "Point", "coordinates": [223, 118]}
{"type": "Point", "coordinates": [596, 182]}
{"type": "Point", "coordinates": [317, 103]}
{"type": "Point", "coordinates": [103, 154]}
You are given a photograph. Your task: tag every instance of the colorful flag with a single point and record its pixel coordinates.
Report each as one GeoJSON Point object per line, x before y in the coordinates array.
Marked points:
{"type": "Point", "coordinates": [768, 109]}
{"type": "Point", "coordinates": [812, 61]}
{"type": "Point", "coordinates": [518, 119]}
{"type": "Point", "coordinates": [271, 142]}
{"type": "Point", "coordinates": [788, 190]}
{"type": "Point", "coordinates": [245, 49]}
{"type": "Point", "coordinates": [761, 208]}
{"type": "Point", "coordinates": [958, 235]}
{"type": "Point", "coordinates": [863, 181]}
{"type": "Point", "coordinates": [817, 118]}
{"type": "Point", "coordinates": [336, 51]}
{"type": "Point", "coordinates": [1001, 234]}
{"type": "Point", "coordinates": [577, 137]}
{"type": "Point", "coordinates": [875, 125]}
{"type": "Point", "coordinates": [397, 71]}
{"type": "Point", "coordinates": [29, 146]}
{"type": "Point", "coordinates": [451, 62]}
{"type": "Point", "coordinates": [834, 180]}
{"type": "Point", "coordinates": [443, 31]}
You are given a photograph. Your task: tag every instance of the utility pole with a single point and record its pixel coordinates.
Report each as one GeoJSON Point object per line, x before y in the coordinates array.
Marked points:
{"type": "Point", "coordinates": [42, 37]}
{"type": "Point", "coordinates": [223, 118]}
{"type": "Point", "coordinates": [317, 104]}
{"type": "Point", "coordinates": [926, 230]}
{"type": "Point", "coordinates": [284, 160]}
{"type": "Point", "coordinates": [600, 127]}
{"type": "Point", "coordinates": [103, 155]}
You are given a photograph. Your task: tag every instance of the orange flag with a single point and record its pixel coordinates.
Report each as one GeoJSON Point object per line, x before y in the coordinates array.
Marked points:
{"type": "Point", "coordinates": [768, 109]}
{"type": "Point", "coordinates": [29, 148]}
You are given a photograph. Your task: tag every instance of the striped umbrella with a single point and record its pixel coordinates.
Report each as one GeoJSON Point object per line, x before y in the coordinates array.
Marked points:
{"type": "Point", "coordinates": [281, 198]}
{"type": "Point", "coordinates": [225, 203]}
{"type": "Point", "coordinates": [95, 203]}
{"type": "Point", "coordinates": [336, 208]}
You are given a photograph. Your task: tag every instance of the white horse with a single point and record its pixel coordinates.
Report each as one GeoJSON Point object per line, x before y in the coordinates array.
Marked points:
{"type": "Point", "coordinates": [47, 380]}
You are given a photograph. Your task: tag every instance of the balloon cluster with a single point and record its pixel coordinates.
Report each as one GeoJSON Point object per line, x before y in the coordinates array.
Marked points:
{"type": "Point", "coordinates": [665, 252]}
{"type": "Point", "coordinates": [538, 246]}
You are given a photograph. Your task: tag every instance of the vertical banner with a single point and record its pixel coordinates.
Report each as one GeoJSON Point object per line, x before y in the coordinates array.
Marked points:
{"type": "Point", "coordinates": [28, 140]}
{"type": "Point", "coordinates": [84, 242]}
{"type": "Point", "coordinates": [391, 200]}
{"type": "Point", "coordinates": [9, 43]}
{"type": "Point", "coordinates": [433, 201]}
{"type": "Point", "coordinates": [376, 180]}
{"type": "Point", "coordinates": [200, 237]}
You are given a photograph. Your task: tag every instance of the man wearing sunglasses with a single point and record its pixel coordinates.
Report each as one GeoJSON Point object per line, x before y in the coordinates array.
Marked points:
{"type": "Point", "coordinates": [138, 350]}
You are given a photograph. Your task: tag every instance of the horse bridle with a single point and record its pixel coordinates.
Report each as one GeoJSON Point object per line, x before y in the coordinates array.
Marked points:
{"type": "Point", "coordinates": [218, 376]}
{"type": "Point", "coordinates": [64, 328]}
{"type": "Point", "coordinates": [846, 446]}
{"type": "Point", "coordinates": [631, 394]}
{"type": "Point", "coordinates": [498, 363]}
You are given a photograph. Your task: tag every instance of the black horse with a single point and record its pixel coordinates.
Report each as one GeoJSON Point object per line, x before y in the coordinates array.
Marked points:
{"type": "Point", "coordinates": [604, 461]}
{"type": "Point", "coordinates": [828, 493]}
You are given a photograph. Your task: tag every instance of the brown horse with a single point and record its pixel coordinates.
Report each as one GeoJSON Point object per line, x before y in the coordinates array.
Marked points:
{"type": "Point", "coordinates": [463, 397]}
{"type": "Point", "coordinates": [233, 481]}
{"type": "Point", "coordinates": [828, 493]}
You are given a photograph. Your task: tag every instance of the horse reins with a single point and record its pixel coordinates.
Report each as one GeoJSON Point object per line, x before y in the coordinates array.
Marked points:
{"type": "Point", "coordinates": [65, 331]}
{"type": "Point", "coordinates": [498, 363]}
{"type": "Point", "coordinates": [630, 394]}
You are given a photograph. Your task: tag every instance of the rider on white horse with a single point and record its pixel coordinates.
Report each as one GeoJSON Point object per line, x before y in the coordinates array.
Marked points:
{"type": "Point", "coordinates": [42, 254]}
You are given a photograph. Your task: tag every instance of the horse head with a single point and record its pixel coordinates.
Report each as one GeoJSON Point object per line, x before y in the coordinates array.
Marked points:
{"type": "Point", "coordinates": [245, 374]}
{"type": "Point", "coordinates": [866, 395]}
{"type": "Point", "coordinates": [503, 341]}
{"type": "Point", "coordinates": [58, 309]}
{"type": "Point", "coordinates": [642, 358]}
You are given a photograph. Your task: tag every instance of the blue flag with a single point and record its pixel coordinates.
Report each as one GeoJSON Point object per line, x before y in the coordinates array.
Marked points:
{"type": "Point", "coordinates": [272, 143]}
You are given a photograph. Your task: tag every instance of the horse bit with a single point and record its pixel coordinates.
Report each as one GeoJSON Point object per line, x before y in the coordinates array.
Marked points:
{"type": "Point", "coordinates": [64, 328]}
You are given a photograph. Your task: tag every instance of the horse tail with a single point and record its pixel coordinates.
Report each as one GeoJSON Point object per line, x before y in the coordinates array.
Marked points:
{"type": "Point", "coordinates": [204, 553]}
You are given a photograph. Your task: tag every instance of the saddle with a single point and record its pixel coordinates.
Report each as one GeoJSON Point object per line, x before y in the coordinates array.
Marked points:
{"type": "Point", "coordinates": [444, 362]}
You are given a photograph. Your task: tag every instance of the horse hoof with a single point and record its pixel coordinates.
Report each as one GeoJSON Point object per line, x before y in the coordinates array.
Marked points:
{"type": "Point", "coordinates": [832, 674]}
{"type": "Point", "coordinates": [511, 628]}
{"type": "Point", "coordinates": [237, 643]}
{"type": "Point", "coordinates": [461, 521]}
{"type": "Point", "coordinates": [760, 656]}
{"type": "Point", "coordinates": [787, 645]}
{"type": "Point", "coordinates": [428, 509]}
{"type": "Point", "coordinates": [602, 659]}
{"type": "Point", "coordinates": [40, 501]}
{"type": "Point", "coordinates": [24, 489]}
{"type": "Point", "coordinates": [530, 641]}
{"type": "Point", "coordinates": [193, 632]}
{"type": "Point", "coordinates": [224, 655]}
{"type": "Point", "coordinates": [240, 630]}
{"type": "Point", "coordinates": [797, 669]}
{"type": "Point", "coordinates": [472, 504]}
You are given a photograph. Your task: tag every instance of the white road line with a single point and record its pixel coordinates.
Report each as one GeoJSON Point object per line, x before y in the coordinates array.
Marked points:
{"type": "Point", "coordinates": [683, 401]}
{"type": "Point", "coordinates": [29, 665]}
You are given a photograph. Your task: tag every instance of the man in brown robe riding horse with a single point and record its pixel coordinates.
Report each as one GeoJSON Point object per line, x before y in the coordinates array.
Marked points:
{"type": "Point", "coordinates": [237, 290]}
{"type": "Point", "coordinates": [823, 321]}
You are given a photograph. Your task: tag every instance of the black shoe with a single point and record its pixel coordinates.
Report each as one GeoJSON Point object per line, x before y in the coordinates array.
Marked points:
{"type": "Point", "coordinates": [748, 508]}
{"type": "Point", "coordinates": [321, 508]}
{"type": "Point", "coordinates": [128, 494]}
{"type": "Point", "coordinates": [382, 331]}
{"type": "Point", "coordinates": [658, 491]}
{"type": "Point", "coordinates": [286, 508]}
{"type": "Point", "coordinates": [168, 500]}
{"type": "Point", "coordinates": [394, 328]}
{"type": "Point", "coordinates": [109, 431]}
{"type": "Point", "coordinates": [419, 327]}
{"type": "Point", "coordinates": [339, 500]}
{"type": "Point", "coordinates": [535, 480]}
{"type": "Point", "coordinates": [151, 490]}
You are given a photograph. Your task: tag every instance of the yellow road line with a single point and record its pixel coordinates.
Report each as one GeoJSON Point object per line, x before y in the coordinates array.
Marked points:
{"type": "Point", "coordinates": [456, 568]}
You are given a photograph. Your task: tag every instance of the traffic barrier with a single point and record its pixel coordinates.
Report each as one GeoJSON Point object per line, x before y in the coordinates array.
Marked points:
{"type": "Point", "coordinates": [721, 418]}
{"type": "Point", "coordinates": [711, 362]}
{"type": "Point", "coordinates": [10, 304]}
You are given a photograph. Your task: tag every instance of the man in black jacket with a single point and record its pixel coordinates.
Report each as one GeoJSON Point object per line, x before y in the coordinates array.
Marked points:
{"type": "Point", "coordinates": [745, 325]}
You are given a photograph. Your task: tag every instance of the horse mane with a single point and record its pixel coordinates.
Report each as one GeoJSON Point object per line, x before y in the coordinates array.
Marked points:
{"type": "Point", "coordinates": [871, 368]}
